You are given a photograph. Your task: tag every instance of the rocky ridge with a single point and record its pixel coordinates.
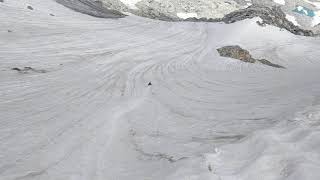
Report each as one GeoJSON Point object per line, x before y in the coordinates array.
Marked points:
{"type": "Point", "coordinates": [271, 15]}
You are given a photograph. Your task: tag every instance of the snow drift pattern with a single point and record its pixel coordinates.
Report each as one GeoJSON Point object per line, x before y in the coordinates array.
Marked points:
{"type": "Point", "coordinates": [90, 113]}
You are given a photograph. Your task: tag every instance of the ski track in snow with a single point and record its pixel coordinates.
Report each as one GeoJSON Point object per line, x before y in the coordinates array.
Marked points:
{"type": "Point", "coordinates": [92, 115]}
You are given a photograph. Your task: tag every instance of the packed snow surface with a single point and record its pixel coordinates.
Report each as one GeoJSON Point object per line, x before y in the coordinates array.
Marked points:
{"type": "Point", "coordinates": [82, 107]}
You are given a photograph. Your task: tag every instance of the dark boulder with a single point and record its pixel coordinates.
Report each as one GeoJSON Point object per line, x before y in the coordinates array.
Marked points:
{"type": "Point", "coordinates": [30, 7]}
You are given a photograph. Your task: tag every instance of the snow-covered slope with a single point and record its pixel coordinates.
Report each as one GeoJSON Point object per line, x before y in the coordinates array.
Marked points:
{"type": "Point", "coordinates": [85, 111]}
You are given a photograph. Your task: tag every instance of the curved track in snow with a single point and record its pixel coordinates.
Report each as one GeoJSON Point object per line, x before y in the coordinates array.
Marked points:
{"type": "Point", "coordinates": [91, 115]}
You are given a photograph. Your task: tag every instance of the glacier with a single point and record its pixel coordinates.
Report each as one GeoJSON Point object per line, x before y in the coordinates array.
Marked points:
{"type": "Point", "coordinates": [134, 98]}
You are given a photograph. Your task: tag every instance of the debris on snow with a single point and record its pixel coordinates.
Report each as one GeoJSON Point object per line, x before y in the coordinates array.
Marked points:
{"type": "Point", "coordinates": [28, 69]}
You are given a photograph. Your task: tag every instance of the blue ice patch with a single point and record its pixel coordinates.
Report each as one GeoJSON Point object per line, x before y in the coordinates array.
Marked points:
{"type": "Point", "coordinates": [304, 11]}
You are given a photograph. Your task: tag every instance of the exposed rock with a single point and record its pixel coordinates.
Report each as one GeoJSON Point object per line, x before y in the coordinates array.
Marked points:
{"type": "Point", "coordinates": [30, 7]}
{"type": "Point", "coordinates": [16, 69]}
{"type": "Point", "coordinates": [236, 52]}
{"type": "Point", "coordinates": [272, 16]}
{"type": "Point", "coordinates": [26, 70]}
{"type": "Point", "coordinates": [51, 14]}
{"type": "Point", "coordinates": [9, 31]}
{"type": "Point", "coordinates": [154, 14]}
{"type": "Point", "coordinates": [167, 11]}
{"type": "Point", "coordinates": [116, 5]}
{"type": "Point", "coordinates": [2, 1]}
{"type": "Point", "coordinates": [266, 62]}
{"type": "Point", "coordinates": [269, 15]}
{"type": "Point", "coordinates": [215, 11]}
{"type": "Point", "coordinates": [262, 24]}
{"type": "Point", "coordinates": [92, 8]}
{"type": "Point", "coordinates": [210, 168]}
{"type": "Point", "coordinates": [153, 11]}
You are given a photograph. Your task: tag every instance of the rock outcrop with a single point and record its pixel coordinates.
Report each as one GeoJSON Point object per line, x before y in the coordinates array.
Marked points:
{"type": "Point", "coordinates": [167, 11]}
{"type": "Point", "coordinates": [92, 8]}
{"type": "Point", "coordinates": [236, 52]}
{"type": "Point", "coordinates": [269, 15]}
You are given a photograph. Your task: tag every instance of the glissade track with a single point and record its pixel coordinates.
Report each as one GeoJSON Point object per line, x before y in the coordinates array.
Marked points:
{"type": "Point", "coordinates": [90, 114]}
